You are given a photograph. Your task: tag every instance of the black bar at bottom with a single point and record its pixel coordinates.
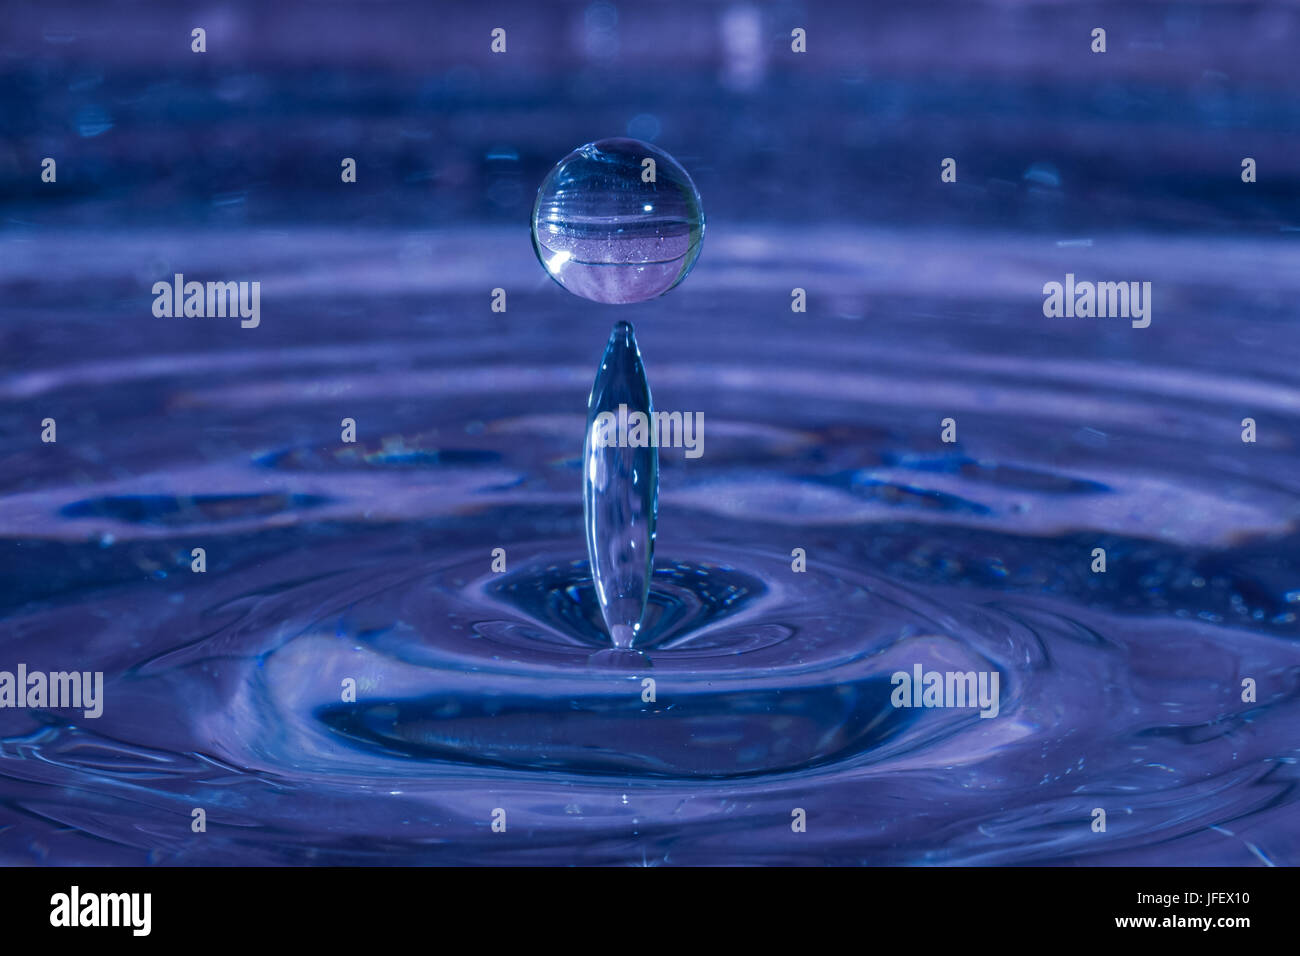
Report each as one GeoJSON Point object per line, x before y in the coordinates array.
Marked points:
{"type": "Point", "coordinates": [931, 905]}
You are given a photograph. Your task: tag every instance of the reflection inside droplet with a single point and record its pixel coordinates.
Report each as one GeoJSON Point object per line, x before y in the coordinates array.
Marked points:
{"type": "Point", "coordinates": [618, 221]}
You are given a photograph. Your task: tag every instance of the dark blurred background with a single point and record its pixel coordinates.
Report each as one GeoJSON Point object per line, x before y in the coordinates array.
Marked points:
{"type": "Point", "coordinates": [1047, 134]}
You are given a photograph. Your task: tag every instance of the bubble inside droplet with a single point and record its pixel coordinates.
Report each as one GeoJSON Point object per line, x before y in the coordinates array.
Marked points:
{"type": "Point", "coordinates": [618, 221]}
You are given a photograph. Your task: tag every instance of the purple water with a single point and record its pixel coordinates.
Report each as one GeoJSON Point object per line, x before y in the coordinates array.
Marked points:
{"type": "Point", "coordinates": [371, 561]}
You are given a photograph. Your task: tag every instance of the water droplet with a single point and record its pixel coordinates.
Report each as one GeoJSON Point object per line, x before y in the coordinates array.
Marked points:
{"type": "Point", "coordinates": [620, 486]}
{"type": "Point", "coordinates": [605, 233]}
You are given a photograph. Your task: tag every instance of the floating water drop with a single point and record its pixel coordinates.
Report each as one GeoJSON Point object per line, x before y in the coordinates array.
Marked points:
{"type": "Point", "coordinates": [620, 486]}
{"type": "Point", "coordinates": [618, 221]}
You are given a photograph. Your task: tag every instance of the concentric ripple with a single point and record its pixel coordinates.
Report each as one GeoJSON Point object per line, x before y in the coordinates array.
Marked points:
{"type": "Point", "coordinates": [747, 680]}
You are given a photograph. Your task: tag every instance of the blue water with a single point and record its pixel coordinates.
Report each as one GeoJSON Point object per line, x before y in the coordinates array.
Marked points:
{"type": "Point", "coordinates": [475, 690]}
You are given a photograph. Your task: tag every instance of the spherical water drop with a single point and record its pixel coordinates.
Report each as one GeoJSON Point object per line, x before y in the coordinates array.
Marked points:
{"type": "Point", "coordinates": [612, 227]}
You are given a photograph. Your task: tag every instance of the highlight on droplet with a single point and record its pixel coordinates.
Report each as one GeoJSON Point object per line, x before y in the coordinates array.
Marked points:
{"type": "Point", "coordinates": [620, 492]}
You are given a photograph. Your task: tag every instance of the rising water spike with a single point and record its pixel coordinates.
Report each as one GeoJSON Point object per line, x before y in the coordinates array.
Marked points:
{"type": "Point", "coordinates": [620, 487]}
